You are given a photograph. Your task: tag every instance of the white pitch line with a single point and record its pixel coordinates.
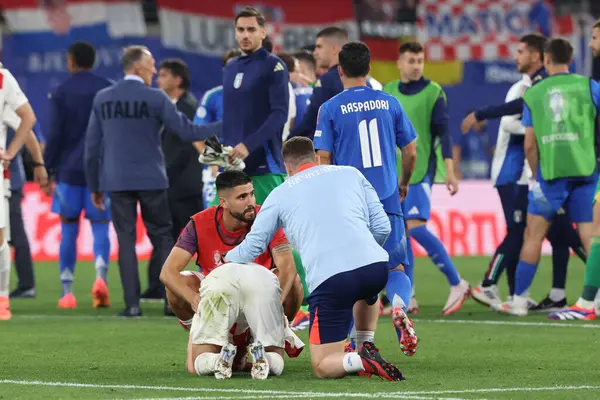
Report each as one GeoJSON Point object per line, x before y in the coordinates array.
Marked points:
{"type": "Point", "coordinates": [557, 324]}
{"type": "Point", "coordinates": [271, 393]}
{"type": "Point", "coordinates": [300, 396]}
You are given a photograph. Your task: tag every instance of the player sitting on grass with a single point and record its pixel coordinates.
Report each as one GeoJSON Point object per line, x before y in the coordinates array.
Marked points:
{"type": "Point", "coordinates": [219, 229]}
{"type": "Point", "coordinates": [243, 301]}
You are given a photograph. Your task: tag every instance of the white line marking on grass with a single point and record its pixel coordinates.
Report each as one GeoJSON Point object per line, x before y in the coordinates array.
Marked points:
{"type": "Point", "coordinates": [279, 393]}
{"type": "Point", "coordinates": [557, 324]}
{"type": "Point", "coordinates": [299, 396]}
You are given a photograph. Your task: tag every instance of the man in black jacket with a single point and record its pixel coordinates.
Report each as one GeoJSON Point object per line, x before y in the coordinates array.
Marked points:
{"type": "Point", "coordinates": [181, 160]}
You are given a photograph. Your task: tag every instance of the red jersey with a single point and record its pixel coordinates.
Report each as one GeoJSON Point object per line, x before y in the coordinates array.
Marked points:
{"type": "Point", "coordinates": [214, 240]}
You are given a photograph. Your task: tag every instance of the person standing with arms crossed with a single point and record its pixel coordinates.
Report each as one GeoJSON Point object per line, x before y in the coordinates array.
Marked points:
{"type": "Point", "coordinates": [123, 157]}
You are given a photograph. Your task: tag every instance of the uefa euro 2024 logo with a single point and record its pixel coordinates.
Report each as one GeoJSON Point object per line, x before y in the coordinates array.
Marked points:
{"type": "Point", "coordinates": [556, 104]}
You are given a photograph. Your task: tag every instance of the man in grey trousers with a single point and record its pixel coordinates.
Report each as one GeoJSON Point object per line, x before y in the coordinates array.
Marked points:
{"type": "Point", "coordinates": [123, 157]}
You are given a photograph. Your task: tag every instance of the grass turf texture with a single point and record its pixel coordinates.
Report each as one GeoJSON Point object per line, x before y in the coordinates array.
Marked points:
{"type": "Point", "coordinates": [475, 354]}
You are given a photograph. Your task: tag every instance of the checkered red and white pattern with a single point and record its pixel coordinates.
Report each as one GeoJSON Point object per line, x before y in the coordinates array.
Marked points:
{"type": "Point", "coordinates": [498, 25]}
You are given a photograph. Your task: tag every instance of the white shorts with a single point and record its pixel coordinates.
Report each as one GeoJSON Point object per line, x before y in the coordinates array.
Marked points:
{"type": "Point", "coordinates": [248, 294]}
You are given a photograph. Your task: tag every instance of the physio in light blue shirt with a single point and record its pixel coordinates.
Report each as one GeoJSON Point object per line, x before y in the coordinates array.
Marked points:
{"type": "Point", "coordinates": [330, 214]}
{"type": "Point", "coordinates": [333, 217]}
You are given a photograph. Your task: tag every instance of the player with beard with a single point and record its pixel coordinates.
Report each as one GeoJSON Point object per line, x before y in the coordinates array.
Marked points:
{"type": "Point", "coordinates": [217, 230]}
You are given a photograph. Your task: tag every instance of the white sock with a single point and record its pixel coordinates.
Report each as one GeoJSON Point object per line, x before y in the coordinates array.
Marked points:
{"type": "Point", "coordinates": [364, 336]}
{"type": "Point", "coordinates": [101, 268]}
{"type": "Point", "coordinates": [275, 363]}
{"type": "Point", "coordinates": [187, 323]}
{"type": "Point", "coordinates": [353, 363]}
{"type": "Point", "coordinates": [520, 301]}
{"type": "Point", "coordinates": [4, 269]}
{"type": "Point", "coordinates": [584, 303]}
{"type": "Point", "coordinates": [597, 299]}
{"type": "Point", "coordinates": [557, 294]}
{"type": "Point", "coordinates": [206, 363]}
{"type": "Point", "coordinates": [397, 302]}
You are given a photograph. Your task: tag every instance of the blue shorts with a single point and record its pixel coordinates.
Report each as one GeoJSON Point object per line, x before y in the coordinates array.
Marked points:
{"type": "Point", "coordinates": [396, 243]}
{"type": "Point", "coordinates": [70, 200]}
{"type": "Point", "coordinates": [417, 204]}
{"type": "Point", "coordinates": [331, 303]}
{"type": "Point", "coordinates": [574, 196]}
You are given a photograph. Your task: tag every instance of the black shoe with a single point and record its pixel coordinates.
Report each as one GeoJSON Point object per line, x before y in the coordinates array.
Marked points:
{"type": "Point", "coordinates": [152, 295]}
{"type": "Point", "coordinates": [374, 364]}
{"type": "Point", "coordinates": [547, 305]}
{"type": "Point", "coordinates": [130, 312]}
{"type": "Point", "coordinates": [23, 293]}
{"type": "Point", "coordinates": [168, 311]}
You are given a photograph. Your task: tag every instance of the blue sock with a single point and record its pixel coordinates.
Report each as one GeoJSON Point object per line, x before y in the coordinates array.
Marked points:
{"type": "Point", "coordinates": [101, 248]}
{"type": "Point", "coordinates": [68, 255]}
{"type": "Point", "coordinates": [398, 289]}
{"type": "Point", "coordinates": [437, 253]}
{"type": "Point", "coordinates": [524, 277]}
{"type": "Point", "coordinates": [410, 268]}
{"type": "Point", "coordinates": [352, 334]}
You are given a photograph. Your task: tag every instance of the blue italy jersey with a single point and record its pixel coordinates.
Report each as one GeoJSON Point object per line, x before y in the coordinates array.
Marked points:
{"type": "Point", "coordinates": [211, 107]}
{"type": "Point", "coordinates": [303, 94]}
{"type": "Point", "coordinates": [361, 127]}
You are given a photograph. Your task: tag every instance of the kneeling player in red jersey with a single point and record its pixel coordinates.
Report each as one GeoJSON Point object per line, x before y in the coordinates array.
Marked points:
{"type": "Point", "coordinates": [217, 230]}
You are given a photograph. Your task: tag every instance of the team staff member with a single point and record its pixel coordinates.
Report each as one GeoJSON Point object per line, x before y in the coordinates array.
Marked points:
{"type": "Point", "coordinates": [123, 157]}
{"type": "Point", "coordinates": [181, 162]}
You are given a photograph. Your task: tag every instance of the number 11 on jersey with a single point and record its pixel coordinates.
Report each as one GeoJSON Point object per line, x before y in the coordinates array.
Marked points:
{"type": "Point", "coordinates": [369, 135]}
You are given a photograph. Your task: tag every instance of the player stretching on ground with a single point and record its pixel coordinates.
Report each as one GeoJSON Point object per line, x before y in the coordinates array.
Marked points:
{"type": "Point", "coordinates": [217, 230]}
{"type": "Point", "coordinates": [425, 105]}
{"type": "Point", "coordinates": [361, 127]}
{"type": "Point", "coordinates": [560, 139]}
{"type": "Point", "coordinates": [333, 216]}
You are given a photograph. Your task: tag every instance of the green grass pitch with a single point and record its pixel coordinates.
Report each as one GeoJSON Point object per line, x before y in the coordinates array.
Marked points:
{"type": "Point", "coordinates": [47, 353]}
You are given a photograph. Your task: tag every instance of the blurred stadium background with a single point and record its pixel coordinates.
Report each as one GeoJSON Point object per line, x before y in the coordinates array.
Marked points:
{"type": "Point", "coordinates": [87, 353]}
{"type": "Point", "coordinates": [469, 49]}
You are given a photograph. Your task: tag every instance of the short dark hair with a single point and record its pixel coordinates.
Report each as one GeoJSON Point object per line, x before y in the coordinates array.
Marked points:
{"type": "Point", "coordinates": [83, 54]}
{"type": "Point", "coordinates": [309, 47]}
{"type": "Point", "coordinates": [535, 42]}
{"type": "Point", "coordinates": [288, 60]}
{"type": "Point", "coordinates": [249, 12]}
{"type": "Point", "coordinates": [355, 59]}
{"type": "Point", "coordinates": [178, 68]}
{"type": "Point", "coordinates": [230, 179]}
{"type": "Point", "coordinates": [560, 50]}
{"type": "Point", "coordinates": [267, 44]}
{"type": "Point", "coordinates": [132, 55]}
{"type": "Point", "coordinates": [334, 32]}
{"type": "Point", "coordinates": [305, 55]}
{"type": "Point", "coordinates": [298, 150]}
{"type": "Point", "coordinates": [233, 53]}
{"type": "Point", "coordinates": [411, 47]}
{"type": "Point", "coordinates": [596, 24]}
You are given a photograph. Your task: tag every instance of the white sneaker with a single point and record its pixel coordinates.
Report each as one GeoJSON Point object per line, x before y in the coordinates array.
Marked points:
{"type": "Point", "coordinates": [486, 295]}
{"type": "Point", "coordinates": [260, 364]}
{"type": "Point", "coordinates": [458, 295]}
{"type": "Point", "coordinates": [518, 307]}
{"type": "Point", "coordinates": [225, 362]}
